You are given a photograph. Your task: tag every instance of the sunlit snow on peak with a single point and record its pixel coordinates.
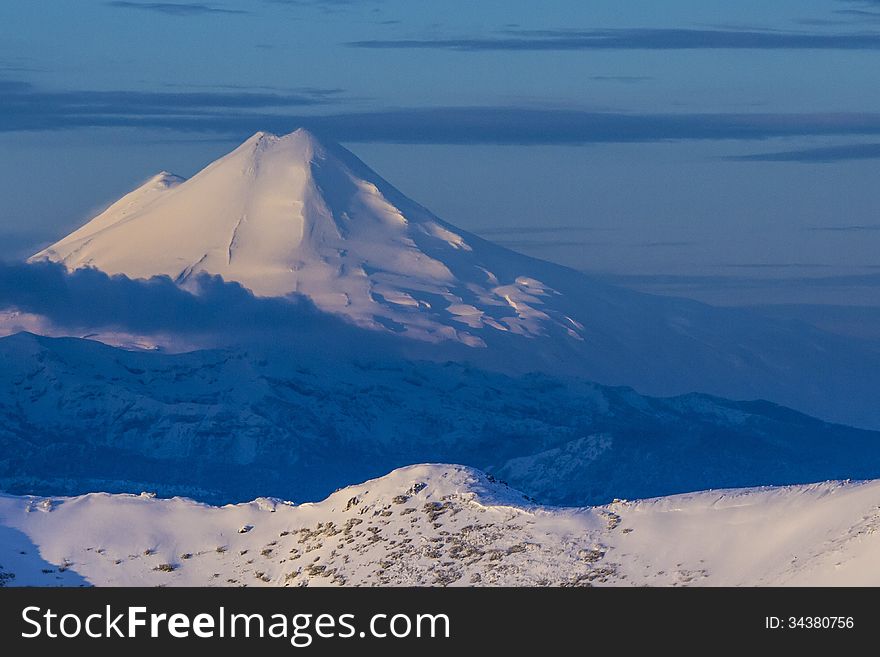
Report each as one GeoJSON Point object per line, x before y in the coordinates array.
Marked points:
{"type": "Point", "coordinates": [289, 214]}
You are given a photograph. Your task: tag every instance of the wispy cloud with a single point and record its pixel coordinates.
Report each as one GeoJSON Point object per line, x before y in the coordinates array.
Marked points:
{"type": "Point", "coordinates": [859, 15]}
{"type": "Point", "coordinates": [314, 3]}
{"type": "Point", "coordinates": [175, 8]}
{"type": "Point", "coordinates": [560, 243]}
{"type": "Point", "coordinates": [636, 39]}
{"type": "Point", "coordinates": [845, 17]}
{"type": "Point", "coordinates": [512, 125]}
{"type": "Point", "coordinates": [317, 92]}
{"type": "Point", "coordinates": [776, 265]}
{"type": "Point", "coordinates": [535, 230]}
{"type": "Point", "coordinates": [237, 113]}
{"type": "Point", "coordinates": [628, 79]}
{"type": "Point", "coordinates": [824, 154]}
{"type": "Point", "coordinates": [852, 228]}
{"type": "Point", "coordinates": [327, 6]}
{"type": "Point", "coordinates": [26, 107]}
{"type": "Point", "coordinates": [519, 237]}
{"type": "Point", "coordinates": [662, 244]}
{"type": "Point", "coordinates": [550, 244]}
{"type": "Point", "coordinates": [727, 282]}
{"type": "Point", "coordinates": [20, 65]}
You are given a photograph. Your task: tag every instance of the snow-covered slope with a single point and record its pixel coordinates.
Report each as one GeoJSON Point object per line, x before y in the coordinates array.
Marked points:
{"type": "Point", "coordinates": [289, 214]}
{"type": "Point", "coordinates": [441, 525]}
{"type": "Point", "coordinates": [228, 425]}
{"type": "Point", "coordinates": [126, 207]}
{"type": "Point", "coordinates": [286, 215]}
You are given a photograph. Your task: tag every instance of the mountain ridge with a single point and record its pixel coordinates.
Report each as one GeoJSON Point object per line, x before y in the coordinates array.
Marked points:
{"type": "Point", "coordinates": [447, 525]}
{"type": "Point", "coordinates": [299, 217]}
{"type": "Point", "coordinates": [230, 424]}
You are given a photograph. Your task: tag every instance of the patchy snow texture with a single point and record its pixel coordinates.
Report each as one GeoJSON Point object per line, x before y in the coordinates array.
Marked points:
{"type": "Point", "coordinates": [446, 525]}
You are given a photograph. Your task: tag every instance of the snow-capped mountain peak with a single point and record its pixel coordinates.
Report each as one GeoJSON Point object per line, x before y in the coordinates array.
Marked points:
{"type": "Point", "coordinates": [288, 214]}
{"type": "Point", "coordinates": [291, 214]}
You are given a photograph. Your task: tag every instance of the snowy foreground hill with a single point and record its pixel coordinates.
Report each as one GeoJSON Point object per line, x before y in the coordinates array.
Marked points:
{"type": "Point", "coordinates": [290, 215]}
{"type": "Point", "coordinates": [78, 416]}
{"type": "Point", "coordinates": [440, 525]}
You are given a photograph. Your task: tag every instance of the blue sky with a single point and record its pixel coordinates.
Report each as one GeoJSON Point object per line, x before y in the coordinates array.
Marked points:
{"type": "Point", "coordinates": [706, 146]}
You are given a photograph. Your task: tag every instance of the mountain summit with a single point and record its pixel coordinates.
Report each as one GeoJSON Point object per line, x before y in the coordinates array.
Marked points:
{"type": "Point", "coordinates": [292, 215]}
{"type": "Point", "coordinates": [289, 214]}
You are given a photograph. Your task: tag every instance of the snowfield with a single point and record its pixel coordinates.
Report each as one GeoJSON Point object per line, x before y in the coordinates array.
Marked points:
{"type": "Point", "coordinates": [447, 525]}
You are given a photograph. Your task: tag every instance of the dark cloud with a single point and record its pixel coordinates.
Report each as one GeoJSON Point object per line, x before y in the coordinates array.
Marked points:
{"type": "Point", "coordinates": [175, 8]}
{"type": "Point", "coordinates": [240, 113]}
{"type": "Point", "coordinates": [824, 154]}
{"type": "Point", "coordinates": [24, 94]}
{"type": "Point", "coordinates": [88, 299]}
{"type": "Point", "coordinates": [636, 39]}
{"type": "Point", "coordinates": [26, 107]}
{"type": "Point", "coordinates": [511, 125]}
